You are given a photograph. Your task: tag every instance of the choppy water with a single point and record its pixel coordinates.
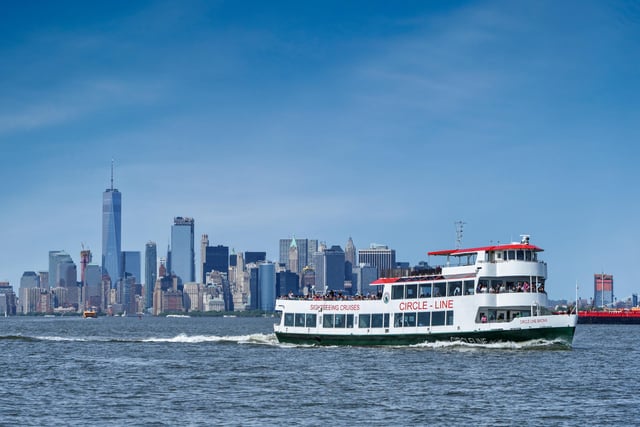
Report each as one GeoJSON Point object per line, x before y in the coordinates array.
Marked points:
{"type": "Point", "coordinates": [231, 371]}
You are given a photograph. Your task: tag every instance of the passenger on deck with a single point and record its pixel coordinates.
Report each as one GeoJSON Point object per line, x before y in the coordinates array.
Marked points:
{"type": "Point", "coordinates": [456, 291]}
{"type": "Point", "coordinates": [483, 318]}
{"type": "Point", "coordinates": [525, 287]}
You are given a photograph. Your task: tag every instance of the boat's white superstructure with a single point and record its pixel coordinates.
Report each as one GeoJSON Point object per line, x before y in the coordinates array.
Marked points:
{"type": "Point", "coordinates": [481, 295]}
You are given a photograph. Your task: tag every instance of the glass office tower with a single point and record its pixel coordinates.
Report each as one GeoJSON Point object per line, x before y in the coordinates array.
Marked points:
{"type": "Point", "coordinates": [111, 233]}
{"type": "Point", "coordinates": [182, 249]}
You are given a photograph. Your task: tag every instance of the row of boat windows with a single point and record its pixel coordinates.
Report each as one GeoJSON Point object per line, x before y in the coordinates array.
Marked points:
{"type": "Point", "coordinates": [365, 321]}
{"type": "Point", "coordinates": [519, 255]}
{"type": "Point", "coordinates": [435, 290]}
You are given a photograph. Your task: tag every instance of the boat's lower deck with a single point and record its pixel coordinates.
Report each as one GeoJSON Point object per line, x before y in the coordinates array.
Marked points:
{"type": "Point", "coordinates": [480, 337]}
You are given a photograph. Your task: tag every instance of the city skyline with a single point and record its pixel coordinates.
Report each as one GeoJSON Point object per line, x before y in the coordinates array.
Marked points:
{"type": "Point", "coordinates": [386, 123]}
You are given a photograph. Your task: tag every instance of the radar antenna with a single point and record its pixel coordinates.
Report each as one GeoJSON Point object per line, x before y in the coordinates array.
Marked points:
{"type": "Point", "coordinates": [459, 232]}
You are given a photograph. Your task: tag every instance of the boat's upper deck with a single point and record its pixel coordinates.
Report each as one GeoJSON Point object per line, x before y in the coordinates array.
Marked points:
{"type": "Point", "coordinates": [511, 259]}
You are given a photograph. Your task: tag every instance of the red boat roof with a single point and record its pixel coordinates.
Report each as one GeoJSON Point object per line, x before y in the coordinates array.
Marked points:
{"type": "Point", "coordinates": [487, 248]}
{"type": "Point", "coordinates": [383, 280]}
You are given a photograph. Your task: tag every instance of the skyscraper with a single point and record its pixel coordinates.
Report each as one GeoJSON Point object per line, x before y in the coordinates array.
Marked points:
{"type": "Point", "coordinates": [131, 265]}
{"type": "Point", "coordinates": [111, 233]}
{"type": "Point", "coordinates": [379, 256]}
{"type": "Point", "coordinates": [182, 249]}
{"type": "Point", "coordinates": [55, 258]}
{"type": "Point", "coordinates": [306, 249]}
{"type": "Point", "coordinates": [150, 272]}
{"type": "Point", "coordinates": [267, 286]}
{"type": "Point", "coordinates": [602, 289]}
{"type": "Point", "coordinates": [216, 258]}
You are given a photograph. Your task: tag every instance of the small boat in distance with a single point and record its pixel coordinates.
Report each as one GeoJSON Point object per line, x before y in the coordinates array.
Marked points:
{"type": "Point", "coordinates": [90, 313]}
{"type": "Point", "coordinates": [179, 316]}
{"type": "Point", "coordinates": [479, 295]}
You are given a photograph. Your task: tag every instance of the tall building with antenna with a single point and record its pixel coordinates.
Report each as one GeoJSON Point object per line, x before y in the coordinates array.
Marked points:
{"type": "Point", "coordinates": [111, 232]}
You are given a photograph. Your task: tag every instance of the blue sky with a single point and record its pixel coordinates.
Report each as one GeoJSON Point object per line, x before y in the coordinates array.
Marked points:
{"type": "Point", "coordinates": [384, 121]}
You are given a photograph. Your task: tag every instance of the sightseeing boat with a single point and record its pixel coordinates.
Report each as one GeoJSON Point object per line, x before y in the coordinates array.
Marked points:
{"type": "Point", "coordinates": [480, 295]}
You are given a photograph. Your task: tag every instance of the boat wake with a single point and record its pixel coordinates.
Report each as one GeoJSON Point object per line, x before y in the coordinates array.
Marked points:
{"type": "Point", "coordinates": [266, 339]}
{"type": "Point", "coordinates": [537, 344]}
{"type": "Point", "coordinates": [257, 339]}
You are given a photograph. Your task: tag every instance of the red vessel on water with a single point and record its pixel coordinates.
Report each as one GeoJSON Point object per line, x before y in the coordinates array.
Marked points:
{"type": "Point", "coordinates": [610, 317]}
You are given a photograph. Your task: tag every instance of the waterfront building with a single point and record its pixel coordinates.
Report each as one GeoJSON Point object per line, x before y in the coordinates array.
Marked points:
{"type": "Point", "coordinates": [287, 282]}
{"type": "Point", "coordinates": [92, 289]}
{"type": "Point", "coordinates": [150, 268]}
{"type": "Point", "coordinates": [350, 253]}
{"type": "Point", "coordinates": [306, 250]}
{"type": "Point", "coordinates": [29, 279]}
{"type": "Point", "coordinates": [379, 256]}
{"type": "Point", "coordinates": [182, 249]}
{"type": "Point", "coordinates": [267, 286]}
{"type": "Point", "coordinates": [192, 296]}
{"type": "Point", "coordinates": [254, 257]}
{"type": "Point", "coordinates": [8, 299]}
{"type": "Point", "coordinates": [131, 265]}
{"type": "Point", "coordinates": [204, 242]}
{"type": "Point", "coordinates": [85, 258]}
{"type": "Point", "coordinates": [602, 290]}
{"type": "Point", "coordinates": [112, 232]}
{"type": "Point", "coordinates": [292, 261]}
{"type": "Point", "coordinates": [254, 294]}
{"type": "Point", "coordinates": [308, 280]}
{"type": "Point", "coordinates": [216, 259]}
{"type": "Point", "coordinates": [55, 258]}
{"type": "Point", "coordinates": [329, 269]}
{"type": "Point", "coordinates": [362, 277]}
{"type": "Point", "coordinates": [44, 279]}
{"type": "Point", "coordinates": [67, 274]}
{"type": "Point", "coordinates": [28, 292]}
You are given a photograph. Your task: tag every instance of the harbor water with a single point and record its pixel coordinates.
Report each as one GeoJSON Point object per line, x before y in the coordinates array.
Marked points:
{"type": "Point", "coordinates": [231, 371]}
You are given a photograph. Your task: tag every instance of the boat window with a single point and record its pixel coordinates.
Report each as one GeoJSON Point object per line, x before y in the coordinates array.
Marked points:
{"type": "Point", "coordinates": [397, 320]}
{"type": "Point", "coordinates": [288, 319]}
{"type": "Point", "coordinates": [376, 320]}
{"type": "Point", "coordinates": [410, 319]}
{"type": "Point", "coordinates": [386, 320]}
{"type": "Point", "coordinates": [300, 319]}
{"type": "Point", "coordinates": [349, 320]}
{"type": "Point", "coordinates": [512, 254]}
{"type": "Point", "coordinates": [499, 255]}
{"type": "Point", "coordinates": [328, 321]}
{"type": "Point", "coordinates": [425, 290]}
{"type": "Point", "coordinates": [534, 256]}
{"type": "Point", "coordinates": [424, 318]}
{"type": "Point", "coordinates": [439, 289]}
{"type": "Point", "coordinates": [364, 321]}
{"type": "Point", "coordinates": [454, 288]}
{"type": "Point", "coordinates": [527, 255]}
{"type": "Point", "coordinates": [437, 318]}
{"type": "Point", "coordinates": [450, 317]}
{"type": "Point", "coordinates": [397, 292]}
{"type": "Point", "coordinates": [411, 291]}
{"type": "Point", "coordinates": [468, 287]}
{"type": "Point", "coordinates": [339, 321]}
{"type": "Point", "coordinates": [520, 255]}
{"type": "Point", "coordinates": [311, 320]}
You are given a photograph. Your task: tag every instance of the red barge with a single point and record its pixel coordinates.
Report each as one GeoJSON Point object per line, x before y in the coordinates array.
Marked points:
{"type": "Point", "coordinates": [610, 317]}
